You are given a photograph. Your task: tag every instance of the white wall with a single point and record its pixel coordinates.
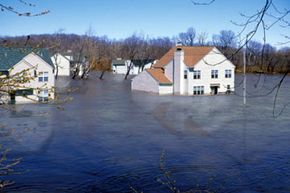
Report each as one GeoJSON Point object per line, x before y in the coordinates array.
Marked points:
{"type": "Point", "coordinates": [165, 89]}
{"type": "Point", "coordinates": [121, 69]}
{"type": "Point", "coordinates": [213, 61]}
{"type": "Point", "coordinates": [34, 63]}
{"type": "Point", "coordinates": [62, 63]}
{"type": "Point", "coordinates": [145, 82]}
{"type": "Point", "coordinates": [169, 70]}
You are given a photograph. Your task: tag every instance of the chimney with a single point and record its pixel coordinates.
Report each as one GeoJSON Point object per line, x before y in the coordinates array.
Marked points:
{"type": "Point", "coordinates": [178, 71]}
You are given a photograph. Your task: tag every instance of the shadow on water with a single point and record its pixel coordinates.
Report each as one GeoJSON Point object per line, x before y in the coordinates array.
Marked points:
{"type": "Point", "coordinates": [109, 139]}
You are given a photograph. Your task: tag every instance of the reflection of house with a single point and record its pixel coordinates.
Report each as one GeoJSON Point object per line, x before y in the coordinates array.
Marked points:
{"type": "Point", "coordinates": [61, 64]}
{"type": "Point", "coordinates": [27, 75]}
{"type": "Point", "coordinates": [188, 71]}
{"type": "Point", "coordinates": [120, 66]}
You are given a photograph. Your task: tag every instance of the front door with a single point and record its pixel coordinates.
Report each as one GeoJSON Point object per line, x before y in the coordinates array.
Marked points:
{"type": "Point", "coordinates": [12, 98]}
{"type": "Point", "coordinates": [214, 90]}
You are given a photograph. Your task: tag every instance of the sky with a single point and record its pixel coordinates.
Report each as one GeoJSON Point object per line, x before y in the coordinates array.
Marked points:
{"type": "Point", "coordinates": [119, 19]}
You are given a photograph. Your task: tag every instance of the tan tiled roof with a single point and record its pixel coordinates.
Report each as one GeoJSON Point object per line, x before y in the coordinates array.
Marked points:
{"type": "Point", "coordinates": [158, 75]}
{"type": "Point", "coordinates": [192, 55]}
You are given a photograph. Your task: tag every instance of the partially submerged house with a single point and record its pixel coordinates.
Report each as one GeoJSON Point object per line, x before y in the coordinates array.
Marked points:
{"type": "Point", "coordinates": [62, 64]}
{"type": "Point", "coordinates": [188, 71]}
{"type": "Point", "coordinates": [26, 75]}
{"type": "Point", "coordinates": [120, 66]}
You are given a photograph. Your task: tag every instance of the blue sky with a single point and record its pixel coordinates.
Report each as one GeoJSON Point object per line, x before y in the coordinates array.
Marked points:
{"type": "Point", "coordinates": [121, 18]}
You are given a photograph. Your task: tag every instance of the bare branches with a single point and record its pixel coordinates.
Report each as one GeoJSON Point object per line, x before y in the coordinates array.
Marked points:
{"type": "Point", "coordinates": [8, 8]}
{"type": "Point", "coordinates": [6, 166]}
{"type": "Point", "coordinates": [206, 3]}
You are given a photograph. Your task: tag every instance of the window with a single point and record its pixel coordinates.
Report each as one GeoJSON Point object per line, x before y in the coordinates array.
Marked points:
{"type": "Point", "coordinates": [24, 92]}
{"type": "Point", "coordinates": [43, 77]}
{"type": "Point", "coordinates": [214, 73]}
{"type": "Point", "coordinates": [6, 73]}
{"type": "Point", "coordinates": [198, 90]}
{"type": "Point", "coordinates": [43, 95]}
{"type": "Point", "coordinates": [185, 74]}
{"type": "Point", "coordinates": [196, 74]}
{"type": "Point", "coordinates": [228, 73]}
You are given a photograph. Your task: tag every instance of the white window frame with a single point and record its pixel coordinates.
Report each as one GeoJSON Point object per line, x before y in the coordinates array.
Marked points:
{"type": "Point", "coordinates": [43, 95]}
{"type": "Point", "coordinates": [214, 74]}
{"type": "Point", "coordinates": [196, 74]}
{"type": "Point", "coordinates": [185, 76]}
{"type": "Point", "coordinates": [228, 73]}
{"type": "Point", "coordinates": [198, 90]}
{"type": "Point", "coordinates": [43, 76]}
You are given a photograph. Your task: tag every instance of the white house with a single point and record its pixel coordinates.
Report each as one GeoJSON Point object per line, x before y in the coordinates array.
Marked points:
{"type": "Point", "coordinates": [120, 66]}
{"type": "Point", "coordinates": [188, 71]}
{"type": "Point", "coordinates": [61, 64]}
{"type": "Point", "coordinates": [30, 75]}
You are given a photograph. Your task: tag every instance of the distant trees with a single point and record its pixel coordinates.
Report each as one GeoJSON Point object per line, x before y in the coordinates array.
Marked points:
{"type": "Point", "coordinates": [100, 51]}
{"type": "Point", "coordinates": [187, 38]}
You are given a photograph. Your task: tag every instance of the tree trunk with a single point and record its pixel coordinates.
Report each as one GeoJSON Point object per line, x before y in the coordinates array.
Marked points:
{"type": "Point", "coordinates": [102, 74]}
{"type": "Point", "coordinates": [128, 71]}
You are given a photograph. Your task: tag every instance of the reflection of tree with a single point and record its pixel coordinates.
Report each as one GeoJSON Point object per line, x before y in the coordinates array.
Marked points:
{"type": "Point", "coordinates": [7, 166]}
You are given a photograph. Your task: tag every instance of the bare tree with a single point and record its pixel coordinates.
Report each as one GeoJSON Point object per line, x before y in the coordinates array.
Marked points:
{"type": "Point", "coordinates": [130, 49]}
{"type": "Point", "coordinates": [187, 38]}
{"type": "Point", "coordinates": [201, 38]}
{"type": "Point", "coordinates": [261, 21]}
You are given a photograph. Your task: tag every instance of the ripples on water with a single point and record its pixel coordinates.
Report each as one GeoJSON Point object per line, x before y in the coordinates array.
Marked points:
{"type": "Point", "coordinates": [109, 139]}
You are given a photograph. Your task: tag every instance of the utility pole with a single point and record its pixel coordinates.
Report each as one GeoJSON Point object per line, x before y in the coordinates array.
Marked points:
{"type": "Point", "coordinates": [245, 77]}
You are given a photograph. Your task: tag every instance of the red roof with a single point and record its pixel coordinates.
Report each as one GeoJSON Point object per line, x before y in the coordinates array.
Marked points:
{"type": "Point", "coordinates": [192, 55]}
{"type": "Point", "coordinates": [158, 75]}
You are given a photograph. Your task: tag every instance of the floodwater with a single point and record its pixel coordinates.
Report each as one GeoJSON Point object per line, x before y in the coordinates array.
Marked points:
{"type": "Point", "coordinates": [109, 139]}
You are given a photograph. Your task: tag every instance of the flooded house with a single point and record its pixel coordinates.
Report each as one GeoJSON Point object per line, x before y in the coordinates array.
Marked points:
{"type": "Point", "coordinates": [27, 75]}
{"type": "Point", "coordinates": [136, 66]}
{"type": "Point", "coordinates": [184, 70]}
{"type": "Point", "coordinates": [62, 64]}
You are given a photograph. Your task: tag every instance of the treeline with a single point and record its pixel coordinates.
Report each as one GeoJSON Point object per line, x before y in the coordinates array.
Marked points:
{"type": "Point", "coordinates": [99, 51]}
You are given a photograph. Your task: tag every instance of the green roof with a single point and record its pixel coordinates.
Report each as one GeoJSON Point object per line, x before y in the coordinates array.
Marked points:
{"type": "Point", "coordinates": [9, 56]}
{"type": "Point", "coordinates": [142, 62]}
{"type": "Point", "coordinates": [118, 62]}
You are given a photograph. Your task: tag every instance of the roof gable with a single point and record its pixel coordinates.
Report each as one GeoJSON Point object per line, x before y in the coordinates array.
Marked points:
{"type": "Point", "coordinates": [9, 56]}
{"type": "Point", "coordinates": [192, 55]}
{"type": "Point", "coordinates": [159, 76]}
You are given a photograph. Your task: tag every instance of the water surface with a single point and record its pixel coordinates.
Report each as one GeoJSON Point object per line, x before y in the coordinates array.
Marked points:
{"type": "Point", "coordinates": [109, 139]}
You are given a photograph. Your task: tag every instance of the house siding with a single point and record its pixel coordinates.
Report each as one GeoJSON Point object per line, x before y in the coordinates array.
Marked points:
{"type": "Point", "coordinates": [211, 62]}
{"type": "Point", "coordinates": [62, 63]}
{"type": "Point", "coordinates": [174, 71]}
{"type": "Point", "coordinates": [34, 62]}
{"type": "Point", "coordinates": [145, 82]}
{"type": "Point", "coordinates": [165, 89]}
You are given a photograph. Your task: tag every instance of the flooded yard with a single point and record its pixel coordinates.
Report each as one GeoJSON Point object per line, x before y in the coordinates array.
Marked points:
{"type": "Point", "coordinates": [109, 139]}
